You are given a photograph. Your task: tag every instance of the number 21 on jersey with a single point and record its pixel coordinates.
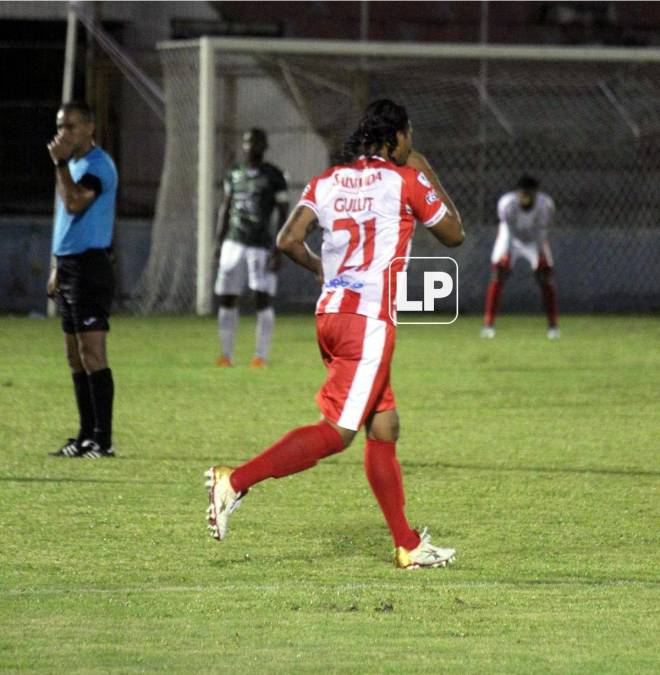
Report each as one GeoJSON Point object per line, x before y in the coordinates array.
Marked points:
{"type": "Point", "coordinates": [363, 234]}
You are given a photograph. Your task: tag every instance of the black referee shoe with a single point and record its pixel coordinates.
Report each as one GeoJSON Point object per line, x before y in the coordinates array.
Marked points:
{"type": "Point", "coordinates": [72, 448]}
{"type": "Point", "coordinates": [92, 450]}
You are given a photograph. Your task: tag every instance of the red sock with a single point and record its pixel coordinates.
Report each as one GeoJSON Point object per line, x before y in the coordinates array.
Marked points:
{"type": "Point", "coordinates": [493, 295]}
{"type": "Point", "coordinates": [550, 302]}
{"type": "Point", "coordinates": [384, 475]}
{"type": "Point", "coordinates": [300, 449]}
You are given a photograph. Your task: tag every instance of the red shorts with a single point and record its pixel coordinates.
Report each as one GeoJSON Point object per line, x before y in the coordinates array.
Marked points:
{"type": "Point", "coordinates": [357, 351]}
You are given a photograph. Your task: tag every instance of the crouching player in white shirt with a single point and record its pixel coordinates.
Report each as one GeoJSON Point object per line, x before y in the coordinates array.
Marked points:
{"type": "Point", "coordinates": [525, 215]}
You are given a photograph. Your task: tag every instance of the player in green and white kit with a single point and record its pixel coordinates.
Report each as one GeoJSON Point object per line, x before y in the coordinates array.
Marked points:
{"type": "Point", "coordinates": [253, 190]}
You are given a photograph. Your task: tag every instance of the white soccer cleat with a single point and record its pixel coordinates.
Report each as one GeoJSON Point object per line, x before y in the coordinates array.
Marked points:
{"type": "Point", "coordinates": [223, 500]}
{"type": "Point", "coordinates": [425, 555]}
{"type": "Point", "coordinates": [553, 333]}
{"type": "Point", "coordinates": [488, 332]}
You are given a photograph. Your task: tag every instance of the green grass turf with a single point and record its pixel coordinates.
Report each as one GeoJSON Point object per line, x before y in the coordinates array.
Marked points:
{"type": "Point", "coordinates": [538, 461]}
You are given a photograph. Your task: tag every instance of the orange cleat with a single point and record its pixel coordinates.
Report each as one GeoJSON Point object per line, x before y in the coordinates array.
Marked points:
{"type": "Point", "coordinates": [224, 362]}
{"type": "Point", "coordinates": [257, 362]}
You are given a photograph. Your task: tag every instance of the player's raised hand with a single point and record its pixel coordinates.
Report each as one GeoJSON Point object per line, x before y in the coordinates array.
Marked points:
{"type": "Point", "coordinates": [60, 148]}
{"type": "Point", "coordinates": [450, 229]}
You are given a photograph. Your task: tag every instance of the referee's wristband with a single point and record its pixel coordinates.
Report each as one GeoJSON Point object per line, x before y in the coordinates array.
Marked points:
{"type": "Point", "coordinates": [61, 163]}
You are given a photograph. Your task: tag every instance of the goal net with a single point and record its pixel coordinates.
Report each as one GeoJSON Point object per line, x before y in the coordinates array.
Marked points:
{"type": "Point", "coordinates": [585, 122]}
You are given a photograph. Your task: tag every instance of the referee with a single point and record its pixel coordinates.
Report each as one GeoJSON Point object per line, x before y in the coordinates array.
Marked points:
{"type": "Point", "coordinates": [82, 279]}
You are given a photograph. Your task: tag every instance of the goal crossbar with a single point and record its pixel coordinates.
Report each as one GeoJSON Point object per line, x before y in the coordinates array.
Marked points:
{"type": "Point", "coordinates": [416, 50]}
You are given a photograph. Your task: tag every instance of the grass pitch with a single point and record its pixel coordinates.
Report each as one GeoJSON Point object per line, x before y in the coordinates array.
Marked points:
{"type": "Point", "coordinates": [538, 461]}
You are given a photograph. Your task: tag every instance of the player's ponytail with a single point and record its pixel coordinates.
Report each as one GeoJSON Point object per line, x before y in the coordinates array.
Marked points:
{"type": "Point", "coordinates": [352, 147]}
{"type": "Point", "coordinates": [378, 126]}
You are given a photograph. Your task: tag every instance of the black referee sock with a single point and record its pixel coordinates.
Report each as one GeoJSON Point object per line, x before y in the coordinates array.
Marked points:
{"type": "Point", "coordinates": [85, 407]}
{"type": "Point", "coordinates": [102, 389]}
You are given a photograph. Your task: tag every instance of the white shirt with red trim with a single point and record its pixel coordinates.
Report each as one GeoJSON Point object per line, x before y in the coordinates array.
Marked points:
{"type": "Point", "coordinates": [367, 211]}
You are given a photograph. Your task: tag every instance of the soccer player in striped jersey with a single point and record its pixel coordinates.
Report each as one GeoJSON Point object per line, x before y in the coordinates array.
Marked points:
{"type": "Point", "coordinates": [525, 216]}
{"type": "Point", "coordinates": [366, 209]}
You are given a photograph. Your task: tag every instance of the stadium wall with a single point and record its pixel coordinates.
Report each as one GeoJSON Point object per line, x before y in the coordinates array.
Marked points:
{"type": "Point", "coordinates": [584, 286]}
{"type": "Point", "coordinates": [585, 283]}
{"type": "Point", "coordinates": [25, 243]}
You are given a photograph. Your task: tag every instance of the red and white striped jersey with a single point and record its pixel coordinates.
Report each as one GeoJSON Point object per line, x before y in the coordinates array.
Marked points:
{"type": "Point", "coordinates": [367, 211]}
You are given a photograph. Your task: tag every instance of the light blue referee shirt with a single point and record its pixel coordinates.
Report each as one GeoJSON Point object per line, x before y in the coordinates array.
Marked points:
{"type": "Point", "coordinates": [77, 232]}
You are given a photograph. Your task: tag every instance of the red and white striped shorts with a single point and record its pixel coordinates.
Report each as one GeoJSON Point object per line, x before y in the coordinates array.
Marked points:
{"type": "Point", "coordinates": [357, 351]}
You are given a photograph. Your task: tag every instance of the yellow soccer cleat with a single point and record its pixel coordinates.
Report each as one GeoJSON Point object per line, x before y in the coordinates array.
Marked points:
{"type": "Point", "coordinates": [425, 555]}
{"type": "Point", "coordinates": [223, 500]}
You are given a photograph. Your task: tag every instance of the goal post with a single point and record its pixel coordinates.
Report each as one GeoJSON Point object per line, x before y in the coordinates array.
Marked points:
{"type": "Point", "coordinates": [586, 119]}
{"type": "Point", "coordinates": [205, 175]}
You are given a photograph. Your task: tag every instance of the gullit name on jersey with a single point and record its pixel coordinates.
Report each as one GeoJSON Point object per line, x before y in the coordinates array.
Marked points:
{"type": "Point", "coordinates": [342, 204]}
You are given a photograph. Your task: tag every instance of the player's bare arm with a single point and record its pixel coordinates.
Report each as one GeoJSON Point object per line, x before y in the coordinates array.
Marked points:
{"type": "Point", "coordinates": [275, 258]}
{"type": "Point", "coordinates": [52, 284]}
{"type": "Point", "coordinates": [449, 231]}
{"type": "Point", "coordinates": [76, 197]}
{"type": "Point", "coordinates": [542, 236]}
{"type": "Point", "coordinates": [223, 221]}
{"type": "Point", "coordinates": [291, 240]}
{"type": "Point", "coordinates": [282, 213]}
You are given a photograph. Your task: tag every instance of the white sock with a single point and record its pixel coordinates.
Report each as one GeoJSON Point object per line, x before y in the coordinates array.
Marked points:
{"type": "Point", "coordinates": [227, 319]}
{"type": "Point", "coordinates": [264, 332]}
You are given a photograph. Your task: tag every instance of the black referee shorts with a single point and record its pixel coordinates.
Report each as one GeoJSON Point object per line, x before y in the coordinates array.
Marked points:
{"type": "Point", "coordinates": [86, 286]}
